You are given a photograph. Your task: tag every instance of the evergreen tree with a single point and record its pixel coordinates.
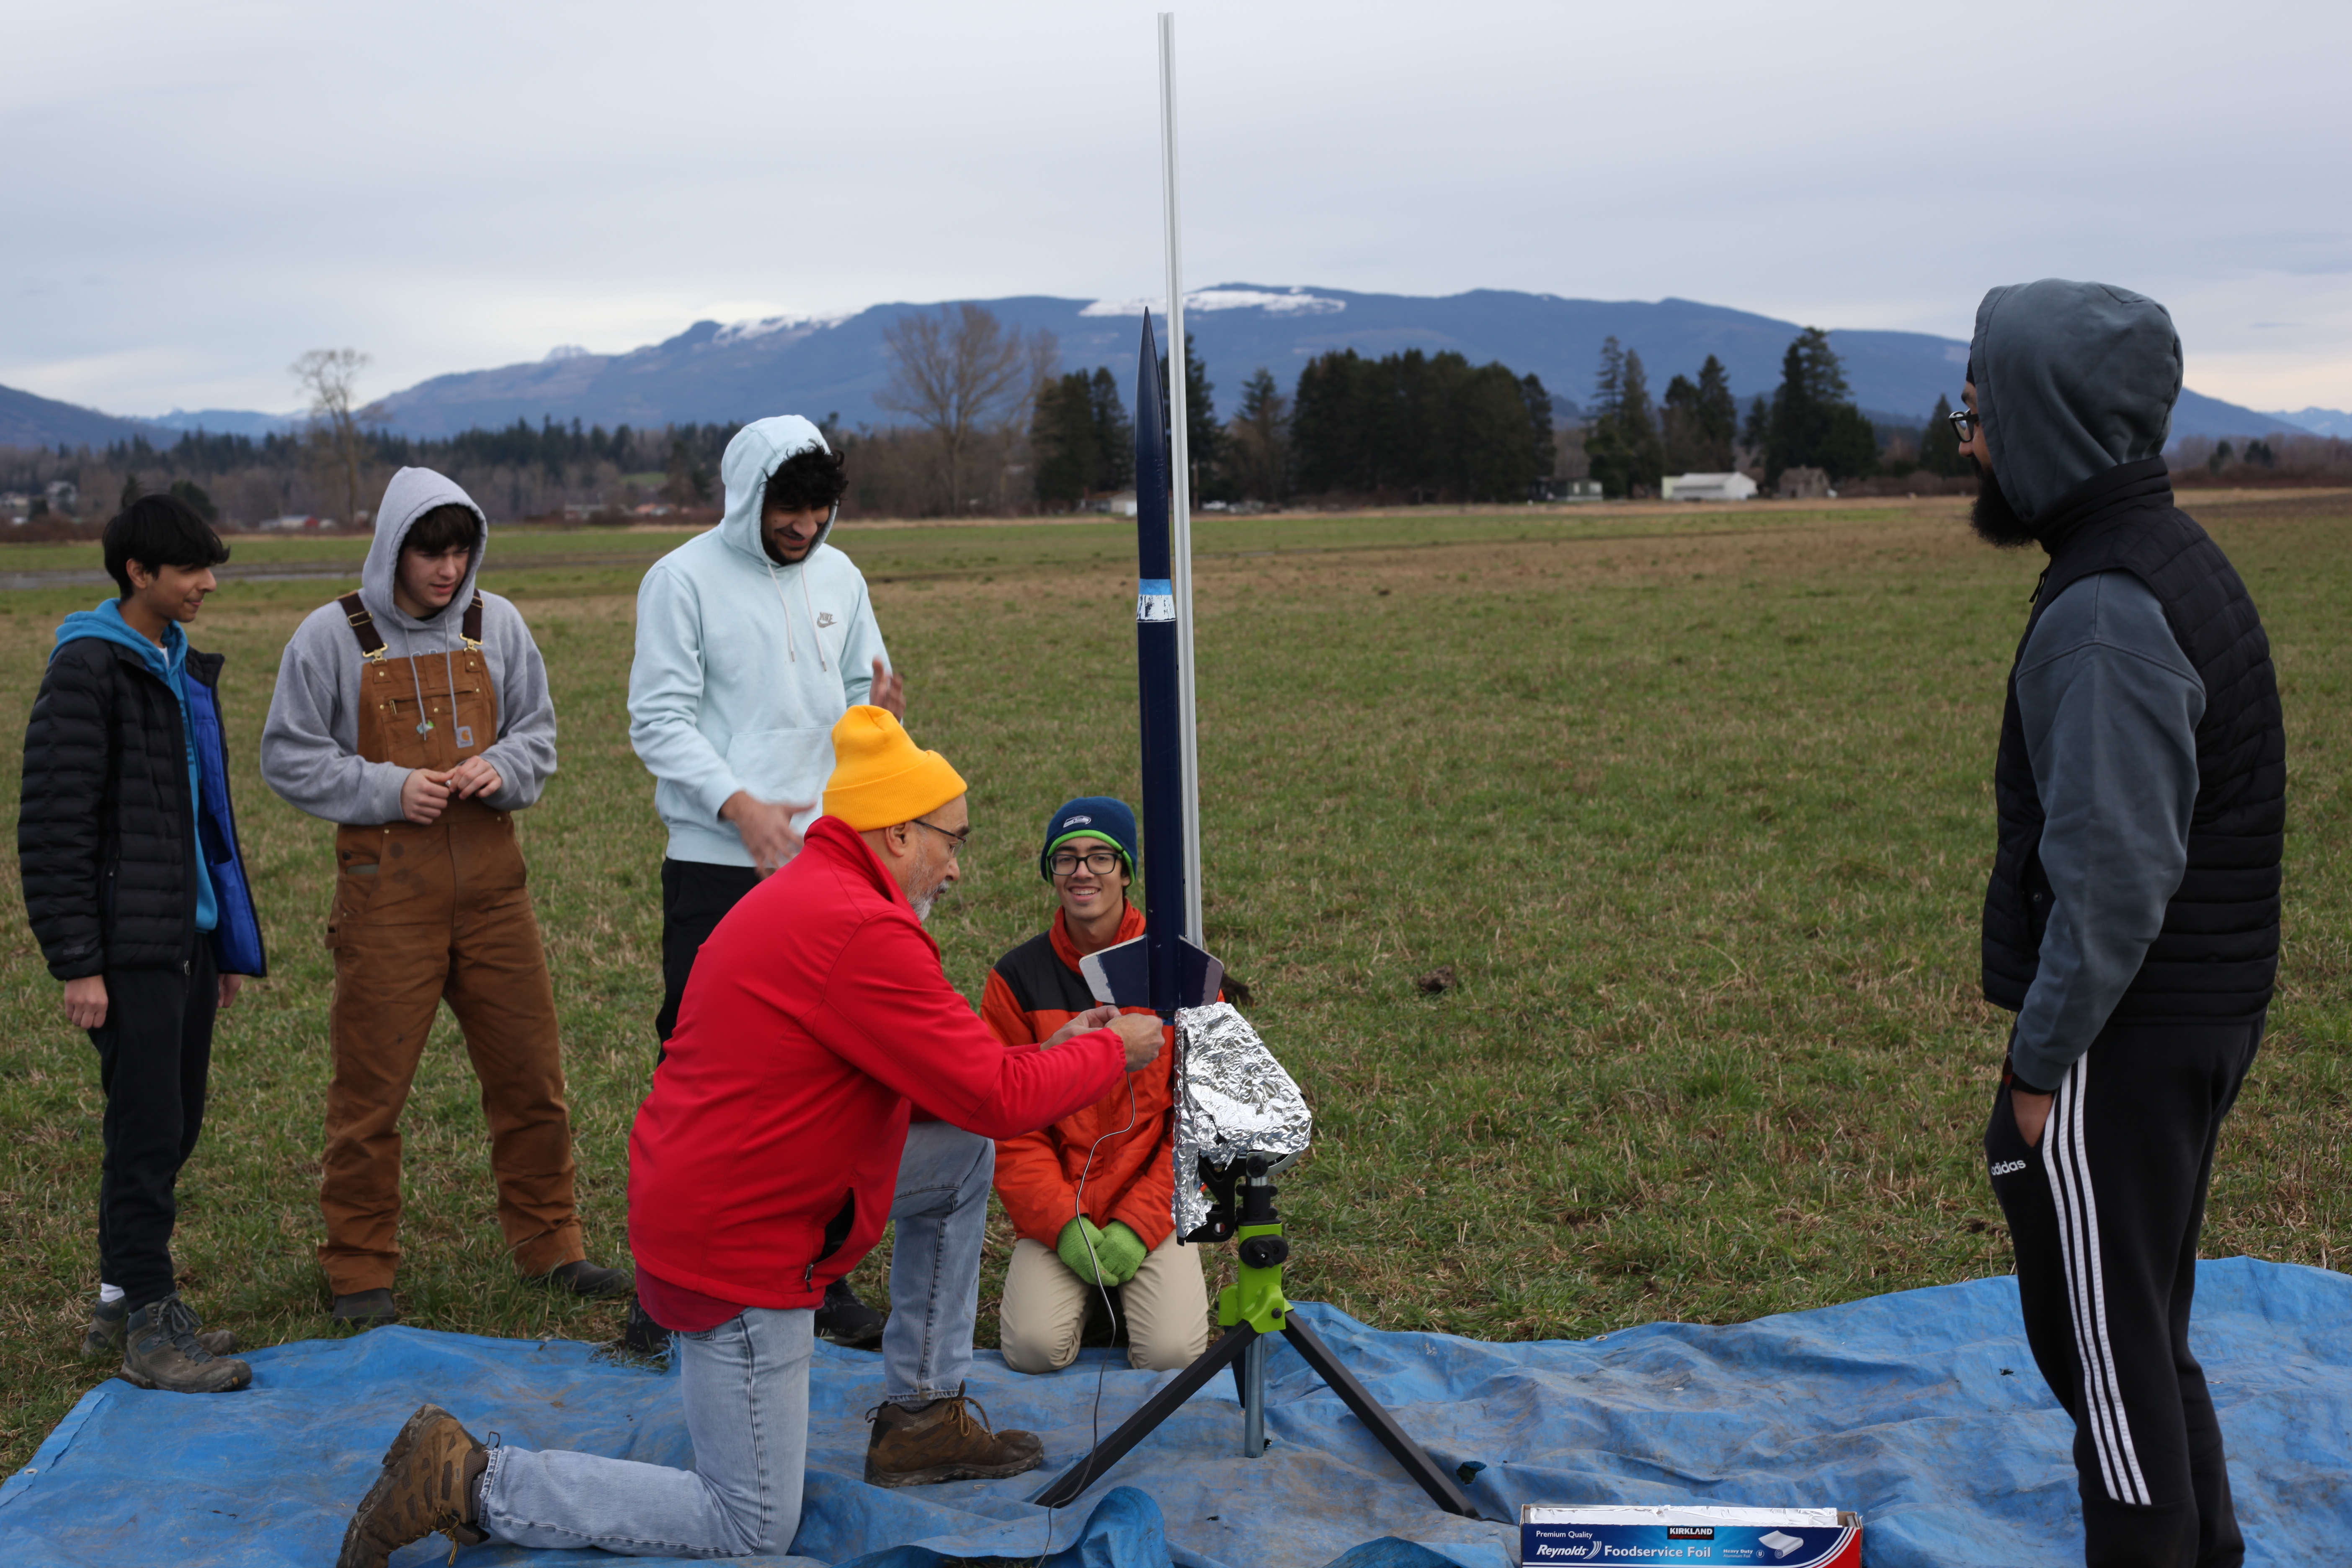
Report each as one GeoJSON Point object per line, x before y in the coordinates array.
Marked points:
{"type": "Point", "coordinates": [1421, 427]}
{"type": "Point", "coordinates": [1332, 410]}
{"type": "Point", "coordinates": [1203, 437]}
{"type": "Point", "coordinates": [1678, 427]}
{"type": "Point", "coordinates": [1114, 434]}
{"type": "Point", "coordinates": [1718, 415]}
{"type": "Point", "coordinates": [1065, 446]}
{"type": "Point", "coordinates": [1637, 421]}
{"type": "Point", "coordinates": [1080, 439]}
{"type": "Point", "coordinates": [190, 492]}
{"type": "Point", "coordinates": [1815, 423]}
{"type": "Point", "coordinates": [1608, 457]}
{"type": "Point", "coordinates": [686, 481]}
{"type": "Point", "coordinates": [1539, 418]}
{"type": "Point", "coordinates": [1759, 427]}
{"type": "Point", "coordinates": [1939, 444]}
{"type": "Point", "coordinates": [1258, 442]}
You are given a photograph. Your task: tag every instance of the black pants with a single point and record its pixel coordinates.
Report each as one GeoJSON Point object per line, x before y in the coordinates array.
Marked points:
{"type": "Point", "coordinates": [154, 1055]}
{"type": "Point", "coordinates": [2105, 1212]}
{"type": "Point", "coordinates": [695, 896]}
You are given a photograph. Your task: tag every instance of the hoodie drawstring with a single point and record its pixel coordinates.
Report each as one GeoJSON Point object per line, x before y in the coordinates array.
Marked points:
{"type": "Point", "coordinates": [450, 671]}
{"type": "Point", "coordinates": [810, 605]}
{"type": "Point", "coordinates": [791, 647]}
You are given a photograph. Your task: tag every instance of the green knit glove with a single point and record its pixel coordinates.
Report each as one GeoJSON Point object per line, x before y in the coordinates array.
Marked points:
{"type": "Point", "coordinates": [1072, 1249]}
{"type": "Point", "coordinates": [1118, 1249]}
{"type": "Point", "coordinates": [1121, 1250]}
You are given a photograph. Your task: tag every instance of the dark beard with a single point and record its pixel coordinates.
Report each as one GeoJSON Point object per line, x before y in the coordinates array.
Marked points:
{"type": "Point", "coordinates": [1996, 522]}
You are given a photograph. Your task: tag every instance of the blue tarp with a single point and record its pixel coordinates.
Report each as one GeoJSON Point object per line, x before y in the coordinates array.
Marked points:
{"type": "Point", "coordinates": [1920, 1410]}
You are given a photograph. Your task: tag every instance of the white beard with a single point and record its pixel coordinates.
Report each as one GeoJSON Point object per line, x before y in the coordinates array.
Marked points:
{"type": "Point", "coordinates": [922, 902]}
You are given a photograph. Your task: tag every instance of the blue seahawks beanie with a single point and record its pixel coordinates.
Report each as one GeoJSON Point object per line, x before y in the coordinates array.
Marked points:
{"type": "Point", "coordinates": [1089, 815]}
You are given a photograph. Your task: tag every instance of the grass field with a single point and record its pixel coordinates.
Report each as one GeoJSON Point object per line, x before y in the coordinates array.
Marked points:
{"type": "Point", "coordinates": [1695, 804]}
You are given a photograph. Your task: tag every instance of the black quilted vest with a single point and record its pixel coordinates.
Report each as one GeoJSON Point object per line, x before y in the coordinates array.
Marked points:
{"type": "Point", "coordinates": [2216, 956]}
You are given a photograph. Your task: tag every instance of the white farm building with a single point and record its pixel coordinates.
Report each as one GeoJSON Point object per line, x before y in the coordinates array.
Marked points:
{"type": "Point", "coordinates": [1707, 487]}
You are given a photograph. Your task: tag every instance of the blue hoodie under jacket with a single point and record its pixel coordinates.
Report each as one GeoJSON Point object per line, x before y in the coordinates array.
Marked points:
{"type": "Point", "coordinates": [224, 901]}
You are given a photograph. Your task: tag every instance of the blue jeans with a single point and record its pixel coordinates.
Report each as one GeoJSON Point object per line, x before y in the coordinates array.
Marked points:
{"type": "Point", "coordinates": [745, 1387]}
{"type": "Point", "coordinates": [940, 1214]}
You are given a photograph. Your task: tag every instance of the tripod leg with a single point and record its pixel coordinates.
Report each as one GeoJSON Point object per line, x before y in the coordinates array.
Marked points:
{"type": "Point", "coordinates": [1370, 1411]}
{"type": "Point", "coordinates": [1137, 1426]}
{"type": "Point", "coordinates": [1252, 1366]}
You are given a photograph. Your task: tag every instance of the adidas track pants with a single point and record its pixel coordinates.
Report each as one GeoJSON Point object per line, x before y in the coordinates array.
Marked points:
{"type": "Point", "coordinates": [2105, 1212]}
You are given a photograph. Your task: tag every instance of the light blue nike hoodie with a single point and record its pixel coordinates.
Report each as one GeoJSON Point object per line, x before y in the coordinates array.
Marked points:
{"type": "Point", "coordinates": [743, 666]}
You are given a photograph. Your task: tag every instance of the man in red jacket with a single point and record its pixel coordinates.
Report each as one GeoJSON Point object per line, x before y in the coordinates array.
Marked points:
{"type": "Point", "coordinates": [775, 1144]}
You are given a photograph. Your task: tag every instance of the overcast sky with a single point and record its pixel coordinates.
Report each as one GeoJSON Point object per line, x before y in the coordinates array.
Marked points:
{"type": "Point", "coordinates": [194, 194]}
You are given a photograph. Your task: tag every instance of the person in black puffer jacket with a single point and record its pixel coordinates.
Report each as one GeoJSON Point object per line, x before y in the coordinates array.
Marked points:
{"type": "Point", "coordinates": [136, 892]}
{"type": "Point", "coordinates": [2132, 918]}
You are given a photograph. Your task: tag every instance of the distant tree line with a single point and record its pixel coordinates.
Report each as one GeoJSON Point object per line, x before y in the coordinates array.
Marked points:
{"type": "Point", "coordinates": [1411, 426]}
{"type": "Point", "coordinates": [999, 426]}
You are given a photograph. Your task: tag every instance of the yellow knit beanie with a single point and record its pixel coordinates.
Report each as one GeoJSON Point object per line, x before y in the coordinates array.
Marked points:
{"type": "Point", "coordinates": [880, 778]}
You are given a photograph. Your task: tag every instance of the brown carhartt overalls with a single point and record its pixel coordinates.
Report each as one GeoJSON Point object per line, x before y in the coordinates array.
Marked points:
{"type": "Point", "coordinates": [424, 914]}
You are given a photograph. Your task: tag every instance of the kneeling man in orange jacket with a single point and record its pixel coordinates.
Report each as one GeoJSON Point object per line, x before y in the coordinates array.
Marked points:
{"type": "Point", "coordinates": [776, 1141]}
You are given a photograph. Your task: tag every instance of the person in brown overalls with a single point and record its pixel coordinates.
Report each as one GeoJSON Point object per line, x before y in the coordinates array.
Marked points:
{"type": "Point", "coordinates": [422, 739]}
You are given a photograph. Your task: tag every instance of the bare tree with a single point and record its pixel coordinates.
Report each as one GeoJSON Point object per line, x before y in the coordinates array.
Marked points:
{"type": "Point", "coordinates": [330, 379]}
{"type": "Point", "coordinates": [958, 373]}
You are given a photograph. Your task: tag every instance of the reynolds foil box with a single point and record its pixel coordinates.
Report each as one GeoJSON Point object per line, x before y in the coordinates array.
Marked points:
{"type": "Point", "coordinates": [1769, 1537]}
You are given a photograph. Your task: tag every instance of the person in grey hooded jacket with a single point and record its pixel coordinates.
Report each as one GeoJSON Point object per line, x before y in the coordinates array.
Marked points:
{"type": "Point", "coordinates": [415, 714]}
{"type": "Point", "coordinates": [2132, 918]}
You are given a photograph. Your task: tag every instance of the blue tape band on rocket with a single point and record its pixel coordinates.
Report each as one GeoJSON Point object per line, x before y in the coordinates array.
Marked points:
{"type": "Point", "coordinates": [1155, 599]}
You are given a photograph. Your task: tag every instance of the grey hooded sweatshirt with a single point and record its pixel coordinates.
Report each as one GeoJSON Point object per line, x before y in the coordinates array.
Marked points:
{"type": "Point", "coordinates": [2072, 381]}
{"type": "Point", "coordinates": [310, 747]}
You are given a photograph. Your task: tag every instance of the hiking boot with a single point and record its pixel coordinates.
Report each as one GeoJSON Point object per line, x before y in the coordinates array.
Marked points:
{"type": "Point", "coordinates": [643, 1336]}
{"type": "Point", "coordinates": [581, 1277]}
{"type": "Point", "coordinates": [366, 1309]}
{"type": "Point", "coordinates": [103, 1341]}
{"type": "Point", "coordinates": [844, 1319]}
{"type": "Point", "coordinates": [919, 1444]}
{"type": "Point", "coordinates": [431, 1481]}
{"type": "Point", "coordinates": [159, 1351]}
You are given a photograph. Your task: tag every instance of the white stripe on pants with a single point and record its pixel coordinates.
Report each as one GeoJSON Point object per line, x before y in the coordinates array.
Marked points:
{"type": "Point", "coordinates": [2065, 1151]}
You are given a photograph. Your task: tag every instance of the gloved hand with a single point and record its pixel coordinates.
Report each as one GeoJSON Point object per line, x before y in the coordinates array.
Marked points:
{"type": "Point", "coordinates": [1121, 1250]}
{"type": "Point", "coordinates": [1117, 1250]}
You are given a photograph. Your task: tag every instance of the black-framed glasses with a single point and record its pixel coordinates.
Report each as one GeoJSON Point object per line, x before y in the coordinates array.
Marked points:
{"type": "Point", "coordinates": [956, 841]}
{"type": "Point", "coordinates": [1101, 862]}
{"type": "Point", "coordinates": [1964, 423]}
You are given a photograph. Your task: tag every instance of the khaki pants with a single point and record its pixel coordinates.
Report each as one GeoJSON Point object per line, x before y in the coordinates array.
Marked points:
{"type": "Point", "coordinates": [1166, 1306]}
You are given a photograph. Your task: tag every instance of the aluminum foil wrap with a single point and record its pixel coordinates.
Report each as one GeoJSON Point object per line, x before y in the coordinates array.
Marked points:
{"type": "Point", "coordinates": [1232, 1098]}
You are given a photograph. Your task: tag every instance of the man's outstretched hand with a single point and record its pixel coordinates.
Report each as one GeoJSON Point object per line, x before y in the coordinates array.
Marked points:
{"type": "Point", "coordinates": [1142, 1034]}
{"type": "Point", "coordinates": [890, 692]}
{"type": "Point", "coordinates": [766, 826]}
{"type": "Point", "coordinates": [1085, 1023]}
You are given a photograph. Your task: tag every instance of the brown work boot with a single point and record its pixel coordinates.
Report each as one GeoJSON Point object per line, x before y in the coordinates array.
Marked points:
{"type": "Point", "coordinates": [919, 1444]}
{"type": "Point", "coordinates": [430, 1476]}
{"type": "Point", "coordinates": [160, 1351]}
{"type": "Point", "coordinates": [103, 1339]}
